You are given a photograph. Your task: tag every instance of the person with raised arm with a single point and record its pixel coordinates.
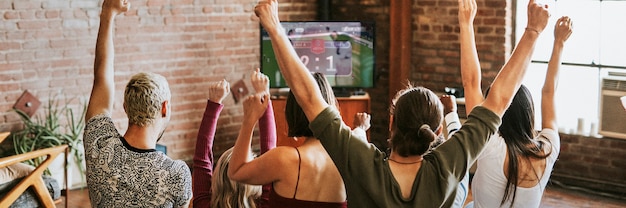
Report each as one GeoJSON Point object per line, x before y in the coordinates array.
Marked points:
{"type": "Point", "coordinates": [302, 176]}
{"type": "Point", "coordinates": [221, 191]}
{"type": "Point", "coordinates": [409, 177]}
{"type": "Point", "coordinates": [515, 166]}
{"type": "Point", "coordinates": [361, 123]}
{"type": "Point", "coordinates": [127, 171]}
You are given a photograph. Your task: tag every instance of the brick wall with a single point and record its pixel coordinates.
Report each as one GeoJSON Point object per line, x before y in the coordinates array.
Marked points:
{"type": "Point", "coordinates": [436, 41]}
{"type": "Point", "coordinates": [47, 47]}
{"type": "Point", "coordinates": [435, 46]}
{"type": "Point", "coordinates": [595, 163]}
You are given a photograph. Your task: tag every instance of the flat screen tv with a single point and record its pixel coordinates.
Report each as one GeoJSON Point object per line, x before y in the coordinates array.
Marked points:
{"type": "Point", "coordinates": [343, 51]}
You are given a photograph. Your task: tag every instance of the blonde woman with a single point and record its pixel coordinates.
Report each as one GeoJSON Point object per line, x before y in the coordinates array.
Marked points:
{"type": "Point", "coordinates": [220, 191]}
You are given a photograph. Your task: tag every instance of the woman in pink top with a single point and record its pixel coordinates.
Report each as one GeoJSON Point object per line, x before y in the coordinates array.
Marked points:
{"type": "Point", "coordinates": [223, 192]}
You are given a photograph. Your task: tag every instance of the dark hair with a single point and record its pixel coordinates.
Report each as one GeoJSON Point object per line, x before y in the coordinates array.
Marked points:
{"type": "Point", "coordinates": [518, 132]}
{"type": "Point", "coordinates": [297, 121]}
{"type": "Point", "coordinates": [417, 114]}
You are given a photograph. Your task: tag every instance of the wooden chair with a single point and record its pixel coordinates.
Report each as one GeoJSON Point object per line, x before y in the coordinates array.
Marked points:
{"type": "Point", "coordinates": [34, 178]}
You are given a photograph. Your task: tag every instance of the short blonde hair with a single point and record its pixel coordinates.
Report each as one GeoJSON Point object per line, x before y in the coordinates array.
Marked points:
{"type": "Point", "coordinates": [228, 193]}
{"type": "Point", "coordinates": [144, 97]}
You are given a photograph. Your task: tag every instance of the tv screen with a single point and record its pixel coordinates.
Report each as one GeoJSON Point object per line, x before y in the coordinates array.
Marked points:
{"type": "Point", "coordinates": [343, 51]}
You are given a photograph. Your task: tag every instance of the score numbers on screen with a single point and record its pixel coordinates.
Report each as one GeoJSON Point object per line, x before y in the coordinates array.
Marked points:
{"type": "Point", "coordinates": [316, 63]}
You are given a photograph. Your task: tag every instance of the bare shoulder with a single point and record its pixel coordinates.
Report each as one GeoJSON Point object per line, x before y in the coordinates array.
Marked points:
{"type": "Point", "coordinates": [280, 161]}
{"type": "Point", "coordinates": [282, 154]}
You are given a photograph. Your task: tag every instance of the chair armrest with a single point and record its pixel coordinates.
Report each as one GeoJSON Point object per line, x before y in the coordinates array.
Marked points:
{"type": "Point", "coordinates": [34, 178]}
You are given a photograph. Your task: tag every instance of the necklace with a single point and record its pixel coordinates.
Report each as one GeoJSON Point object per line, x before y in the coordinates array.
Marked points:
{"type": "Point", "coordinates": [405, 163]}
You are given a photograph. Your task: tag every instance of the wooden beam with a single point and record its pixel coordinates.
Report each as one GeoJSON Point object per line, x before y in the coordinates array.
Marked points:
{"type": "Point", "coordinates": [400, 38]}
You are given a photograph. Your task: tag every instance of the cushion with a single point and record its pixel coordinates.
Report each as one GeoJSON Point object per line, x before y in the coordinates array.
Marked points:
{"type": "Point", "coordinates": [14, 171]}
{"type": "Point", "coordinates": [29, 198]}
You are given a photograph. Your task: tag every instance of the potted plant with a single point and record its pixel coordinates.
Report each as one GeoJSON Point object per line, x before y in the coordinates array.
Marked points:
{"type": "Point", "coordinates": [48, 132]}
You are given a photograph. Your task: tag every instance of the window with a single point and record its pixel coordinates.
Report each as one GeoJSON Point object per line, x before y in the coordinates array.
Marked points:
{"type": "Point", "coordinates": [598, 44]}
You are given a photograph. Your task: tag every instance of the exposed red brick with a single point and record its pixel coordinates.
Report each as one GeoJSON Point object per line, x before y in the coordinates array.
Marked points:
{"type": "Point", "coordinates": [189, 43]}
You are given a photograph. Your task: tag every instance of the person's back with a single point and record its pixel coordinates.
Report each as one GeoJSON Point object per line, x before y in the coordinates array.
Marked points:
{"type": "Point", "coordinates": [490, 178]}
{"type": "Point", "coordinates": [514, 167]}
{"type": "Point", "coordinates": [314, 178]}
{"type": "Point", "coordinates": [303, 176]}
{"type": "Point", "coordinates": [127, 171]}
{"type": "Point", "coordinates": [319, 173]}
{"type": "Point", "coordinates": [120, 175]}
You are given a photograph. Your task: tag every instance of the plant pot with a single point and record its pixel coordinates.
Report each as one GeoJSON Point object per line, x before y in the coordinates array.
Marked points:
{"type": "Point", "coordinates": [75, 177]}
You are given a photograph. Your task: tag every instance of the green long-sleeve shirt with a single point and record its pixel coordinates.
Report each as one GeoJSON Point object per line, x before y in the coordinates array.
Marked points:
{"type": "Point", "coordinates": [366, 174]}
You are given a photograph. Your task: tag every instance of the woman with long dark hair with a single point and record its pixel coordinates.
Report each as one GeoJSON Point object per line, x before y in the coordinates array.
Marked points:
{"type": "Point", "coordinates": [515, 166]}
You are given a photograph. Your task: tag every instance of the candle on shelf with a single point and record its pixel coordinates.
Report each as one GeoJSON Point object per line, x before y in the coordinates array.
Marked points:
{"type": "Point", "coordinates": [593, 131]}
{"type": "Point", "coordinates": [581, 126]}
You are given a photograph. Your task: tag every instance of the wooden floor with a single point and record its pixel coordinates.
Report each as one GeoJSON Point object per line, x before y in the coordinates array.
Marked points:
{"type": "Point", "coordinates": [554, 197]}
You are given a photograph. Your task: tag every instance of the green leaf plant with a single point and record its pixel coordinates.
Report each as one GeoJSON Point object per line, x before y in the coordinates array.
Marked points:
{"type": "Point", "coordinates": [40, 133]}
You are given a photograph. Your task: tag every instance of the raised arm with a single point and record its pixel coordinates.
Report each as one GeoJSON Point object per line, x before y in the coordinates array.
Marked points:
{"type": "Point", "coordinates": [362, 122]}
{"type": "Point", "coordinates": [509, 79]}
{"type": "Point", "coordinates": [470, 65]}
{"type": "Point", "coordinates": [243, 167]}
{"type": "Point", "coordinates": [298, 77]}
{"type": "Point", "coordinates": [202, 173]}
{"type": "Point", "coordinates": [267, 125]}
{"type": "Point", "coordinates": [562, 31]}
{"type": "Point", "coordinates": [267, 128]}
{"type": "Point", "coordinates": [102, 93]}
{"type": "Point", "coordinates": [451, 118]}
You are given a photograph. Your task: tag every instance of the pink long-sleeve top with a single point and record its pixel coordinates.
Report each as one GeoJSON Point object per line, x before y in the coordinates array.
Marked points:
{"type": "Point", "coordinates": [203, 157]}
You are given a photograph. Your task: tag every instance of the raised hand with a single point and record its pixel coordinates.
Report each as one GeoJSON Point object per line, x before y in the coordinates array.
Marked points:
{"type": "Point", "coordinates": [449, 103]}
{"type": "Point", "coordinates": [471, 74]}
{"type": "Point", "coordinates": [116, 6]}
{"type": "Point", "coordinates": [467, 12]}
{"type": "Point", "coordinates": [267, 11]}
{"type": "Point", "coordinates": [362, 120]}
{"type": "Point", "coordinates": [562, 29]}
{"type": "Point", "coordinates": [254, 106]}
{"type": "Point", "coordinates": [218, 91]}
{"type": "Point", "coordinates": [260, 82]}
{"type": "Point", "coordinates": [538, 16]}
